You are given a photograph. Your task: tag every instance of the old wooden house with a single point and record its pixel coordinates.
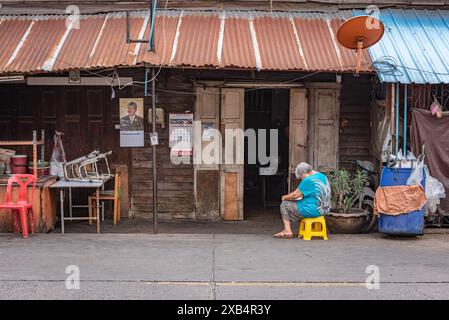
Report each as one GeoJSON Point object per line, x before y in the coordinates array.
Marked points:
{"type": "Point", "coordinates": [232, 64]}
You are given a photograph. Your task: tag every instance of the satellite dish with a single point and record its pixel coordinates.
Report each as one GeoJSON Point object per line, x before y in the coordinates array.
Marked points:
{"type": "Point", "coordinates": [360, 33]}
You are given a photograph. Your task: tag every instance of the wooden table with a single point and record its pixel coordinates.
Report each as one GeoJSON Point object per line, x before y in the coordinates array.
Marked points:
{"type": "Point", "coordinates": [65, 184]}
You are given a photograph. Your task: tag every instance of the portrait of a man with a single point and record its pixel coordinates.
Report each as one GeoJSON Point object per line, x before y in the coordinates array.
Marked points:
{"type": "Point", "coordinates": [132, 121]}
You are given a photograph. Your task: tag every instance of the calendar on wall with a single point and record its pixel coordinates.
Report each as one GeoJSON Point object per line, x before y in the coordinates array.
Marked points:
{"type": "Point", "coordinates": [181, 133]}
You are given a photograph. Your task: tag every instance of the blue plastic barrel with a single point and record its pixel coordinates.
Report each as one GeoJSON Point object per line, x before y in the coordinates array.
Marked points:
{"type": "Point", "coordinates": [410, 223]}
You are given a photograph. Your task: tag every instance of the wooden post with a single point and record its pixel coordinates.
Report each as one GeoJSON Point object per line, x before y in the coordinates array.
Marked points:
{"type": "Point", "coordinates": [42, 151]}
{"type": "Point", "coordinates": [153, 123]}
{"type": "Point", "coordinates": [35, 153]}
{"type": "Point", "coordinates": [97, 196]}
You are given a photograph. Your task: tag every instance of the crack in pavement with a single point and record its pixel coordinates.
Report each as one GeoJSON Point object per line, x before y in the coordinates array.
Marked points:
{"type": "Point", "coordinates": [212, 282]}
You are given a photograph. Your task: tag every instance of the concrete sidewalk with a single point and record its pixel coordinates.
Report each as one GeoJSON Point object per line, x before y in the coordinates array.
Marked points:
{"type": "Point", "coordinates": [222, 266]}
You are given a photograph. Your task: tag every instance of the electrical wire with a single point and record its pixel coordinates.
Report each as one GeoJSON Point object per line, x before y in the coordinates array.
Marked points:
{"type": "Point", "coordinates": [389, 66]}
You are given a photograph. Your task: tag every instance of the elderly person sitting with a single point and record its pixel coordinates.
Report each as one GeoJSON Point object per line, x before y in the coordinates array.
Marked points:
{"type": "Point", "coordinates": [311, 199]}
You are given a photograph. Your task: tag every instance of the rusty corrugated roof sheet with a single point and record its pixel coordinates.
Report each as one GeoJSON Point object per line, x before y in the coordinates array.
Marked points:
{"type": "Point", "coordinates": [225, 39]}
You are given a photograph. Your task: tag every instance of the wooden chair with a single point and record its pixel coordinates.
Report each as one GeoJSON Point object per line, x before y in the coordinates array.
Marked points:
{"type": "Point", "coordinates": [111, 195]}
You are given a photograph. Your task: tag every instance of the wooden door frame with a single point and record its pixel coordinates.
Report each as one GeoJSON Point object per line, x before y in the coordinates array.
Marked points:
{"type": "Point", "coordinates": [241, 85]}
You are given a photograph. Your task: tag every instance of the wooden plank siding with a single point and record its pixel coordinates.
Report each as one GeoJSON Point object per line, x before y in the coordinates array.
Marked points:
{"type": "Point", "coordinates": [174, 182]}
{"type": "Point", "coordinates": [88, 117]}
{"type": "Point", "coordinates": [355, 106]}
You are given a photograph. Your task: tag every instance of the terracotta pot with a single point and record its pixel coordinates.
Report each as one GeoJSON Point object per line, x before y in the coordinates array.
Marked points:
{"type": "Point", "coordinates": [347, 223]}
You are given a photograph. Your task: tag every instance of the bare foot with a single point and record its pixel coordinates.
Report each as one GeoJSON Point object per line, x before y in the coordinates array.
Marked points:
{"type": "Point", "coordinates": [283, 235]}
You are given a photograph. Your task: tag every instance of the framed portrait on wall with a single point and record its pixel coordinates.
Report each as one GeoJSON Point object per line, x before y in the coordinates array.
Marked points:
{"type": "Point", "coordinates": [131, 122]}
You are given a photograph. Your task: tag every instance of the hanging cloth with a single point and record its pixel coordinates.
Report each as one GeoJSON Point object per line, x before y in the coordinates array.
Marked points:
{"type": "Point", "coordinates": [397, 200]}
{"type": "Point", "coordinates": [432, 132]}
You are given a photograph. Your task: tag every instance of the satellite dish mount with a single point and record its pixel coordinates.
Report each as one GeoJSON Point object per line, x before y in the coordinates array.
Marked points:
{"type": "Point", "coordinates": [359, 33]}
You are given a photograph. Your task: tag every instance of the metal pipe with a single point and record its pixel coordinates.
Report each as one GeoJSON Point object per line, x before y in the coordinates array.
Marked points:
{"type": "Point", "coordinates": [392, 115]}
{"type": "Point", "coordinates": [128, 31]}
{"type": "Point", "coordinates": [397, 120]}
{"type": "Point", "coordinates": [153, 122]}
{"type": "Point", "coordinates": [153, 18]}
{"type": "Point", "coordinates": [128, 28]}
{"type": "Point", "coordinates": [405, 120]}
{"type": "Point", "coordinates": [146, 82]}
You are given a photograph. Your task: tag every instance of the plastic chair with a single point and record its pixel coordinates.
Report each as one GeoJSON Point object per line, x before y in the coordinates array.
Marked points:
{"type": "Point", "coordinates": [22, 208]}
{"type": "Point", "coordinates": [312, 227]}
{"type": "Point", "coordinates": [112, 195]}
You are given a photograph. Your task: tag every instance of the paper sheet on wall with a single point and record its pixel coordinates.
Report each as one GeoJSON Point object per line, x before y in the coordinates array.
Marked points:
{"type": "Point", "coordinates": [180, 133]}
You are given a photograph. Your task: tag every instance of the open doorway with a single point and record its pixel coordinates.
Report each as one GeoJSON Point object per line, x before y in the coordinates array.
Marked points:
{"type": "Point", "coordinates": [266, 109]}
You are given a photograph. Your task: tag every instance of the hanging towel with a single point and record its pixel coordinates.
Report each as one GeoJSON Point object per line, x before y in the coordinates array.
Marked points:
{"type": "Point", "coordinates": [399, 199]}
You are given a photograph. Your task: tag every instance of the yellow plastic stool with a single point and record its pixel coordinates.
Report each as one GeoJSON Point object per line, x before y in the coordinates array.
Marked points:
{"type": "Point", "coordinates": [312, 227]}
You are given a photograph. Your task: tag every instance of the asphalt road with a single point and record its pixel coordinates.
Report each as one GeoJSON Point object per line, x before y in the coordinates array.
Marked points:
{"type": "Point", "coordinates": [222, 266]}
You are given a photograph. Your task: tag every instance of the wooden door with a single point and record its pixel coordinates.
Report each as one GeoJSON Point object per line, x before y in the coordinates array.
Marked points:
{"type": "Point", "coordinates": [206, 176]}
{"type": "Point", "coordinates": [324, 122]}
{"type": "Point", "coordinates": [297, 133]}
{"type": "Point", "coordinates": [231, 170]}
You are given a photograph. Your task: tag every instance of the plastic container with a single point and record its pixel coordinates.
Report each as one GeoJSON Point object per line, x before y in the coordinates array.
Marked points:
{"type": "Point", "coordinates": [39, 170]}
{"type": "Point", "coordinates": [410, 223]}
{"type": "Point", "coordinates": [39, 163]}
{"type": "Point", "coordinates": [19, 160]}
{"type": "Point", "coordinates": [18, 169]}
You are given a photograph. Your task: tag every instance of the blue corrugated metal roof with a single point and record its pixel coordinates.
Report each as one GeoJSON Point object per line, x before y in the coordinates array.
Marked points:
{"type": "Point", "coordinates": [417, 42]}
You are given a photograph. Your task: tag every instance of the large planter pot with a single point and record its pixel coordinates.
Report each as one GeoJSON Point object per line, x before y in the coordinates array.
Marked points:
{"type": "Point", "coordinates": [351, 222]}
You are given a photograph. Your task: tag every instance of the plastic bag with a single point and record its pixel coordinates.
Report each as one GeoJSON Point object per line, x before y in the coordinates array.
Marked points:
{"type": "Point", "coordinates": [434, 192]}
{"type": "Point", "coordinates": [417, 175]}
{"type": "Point", "coordinates": [58, 158]}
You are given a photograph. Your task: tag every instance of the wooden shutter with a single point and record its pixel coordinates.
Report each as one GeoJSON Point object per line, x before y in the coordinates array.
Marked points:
{"type": "Point", "coordinates": [231, 175]}
{"type": "Point", "coordinates": [297, 132]}
{"type": "Point", "coordinates": [324, 132]}
{"type": "Point", "coordinates": [206, 176]}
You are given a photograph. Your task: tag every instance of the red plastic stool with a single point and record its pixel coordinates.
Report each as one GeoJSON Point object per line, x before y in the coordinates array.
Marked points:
{"type": "Point", "coordinates": [22, 208]}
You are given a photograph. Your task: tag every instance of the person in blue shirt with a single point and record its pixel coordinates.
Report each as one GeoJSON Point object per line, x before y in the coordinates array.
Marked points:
{"type": "Point", "coordinates": [311, 199]}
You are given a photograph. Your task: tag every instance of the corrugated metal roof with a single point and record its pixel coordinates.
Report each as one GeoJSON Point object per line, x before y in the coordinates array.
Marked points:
{"type": "Point", "coordinates": [414, 48]}
{"type": "Point", "coordinates": [214, 39]}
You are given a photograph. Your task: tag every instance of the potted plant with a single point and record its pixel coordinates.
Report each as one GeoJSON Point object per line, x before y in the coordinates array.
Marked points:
{"type": "Point", "coordinates": [346, 189]}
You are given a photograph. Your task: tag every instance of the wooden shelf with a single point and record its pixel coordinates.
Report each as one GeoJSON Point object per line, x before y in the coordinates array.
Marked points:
{"type": "Point", "coordinates": [34, 143]}
{"type": "Point", "coordinates": [21, 143]}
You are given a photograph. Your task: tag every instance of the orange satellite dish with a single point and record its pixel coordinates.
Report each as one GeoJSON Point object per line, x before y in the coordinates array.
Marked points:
{"type": "Point", "coordinates": [360, 33]}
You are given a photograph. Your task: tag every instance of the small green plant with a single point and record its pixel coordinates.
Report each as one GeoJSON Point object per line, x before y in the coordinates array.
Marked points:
{"type": "Point", "coordinates": [346, 188]}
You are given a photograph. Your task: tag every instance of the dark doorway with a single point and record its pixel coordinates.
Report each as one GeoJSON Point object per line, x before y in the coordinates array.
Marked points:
{"type": "Point", "coordinates": [266, 109]}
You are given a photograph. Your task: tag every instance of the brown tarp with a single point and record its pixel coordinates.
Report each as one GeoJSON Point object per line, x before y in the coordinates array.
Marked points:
{"type": "Point", "coordinates": [399, 199]}
{"type": "Point", "coordinates": [432, 132]}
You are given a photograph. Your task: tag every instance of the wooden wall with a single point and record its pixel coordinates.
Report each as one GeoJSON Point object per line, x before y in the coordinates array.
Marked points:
{"type": "Point", "coordinates": [175, 182]}
{"type": "Point", "coordinates": [355, 111]}
{"type": "Point", "coordinates": [88, 117]}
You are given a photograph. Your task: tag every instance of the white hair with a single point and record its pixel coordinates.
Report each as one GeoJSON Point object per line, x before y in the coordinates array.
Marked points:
{"type": "Point", "coordinates": [302, 168]}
